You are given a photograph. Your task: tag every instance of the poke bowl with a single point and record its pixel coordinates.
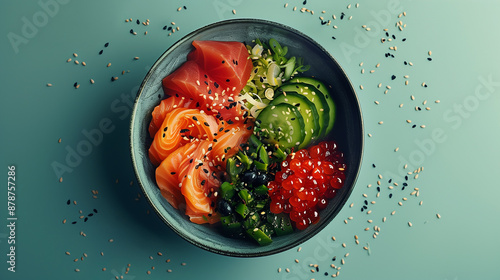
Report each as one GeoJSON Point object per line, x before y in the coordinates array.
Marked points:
{"type": "Point", "coordinates": [339, 130]}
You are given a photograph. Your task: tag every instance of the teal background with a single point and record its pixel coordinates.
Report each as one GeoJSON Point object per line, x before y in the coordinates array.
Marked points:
{"type": "Point", "coordinates": [457, 148]}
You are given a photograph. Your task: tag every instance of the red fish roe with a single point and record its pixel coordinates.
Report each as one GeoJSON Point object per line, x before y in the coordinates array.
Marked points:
{"type": "Point", "coordinates": [308, 179]}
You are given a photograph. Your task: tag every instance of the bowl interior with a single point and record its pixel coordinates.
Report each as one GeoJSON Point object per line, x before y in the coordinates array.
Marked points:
{"type": "Point", "coordinates": [348, 129]}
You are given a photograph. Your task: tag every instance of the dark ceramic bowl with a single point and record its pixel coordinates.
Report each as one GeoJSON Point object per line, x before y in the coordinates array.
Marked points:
{"type": "Point", "coordinates": [348, 130]}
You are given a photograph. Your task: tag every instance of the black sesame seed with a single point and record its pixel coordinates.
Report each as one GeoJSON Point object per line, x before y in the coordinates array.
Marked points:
{"type": "Point", "coordinates": [366, 202]}
{"type": "Point", "coordinates": [393, 37]}
{"type": "Point", "coordinates": [429, 59]}
{"type": "Point", "coordinates": [131, 31]}
{"type": "Point", "coordinates": [390, 181]}
{"type": "Point", "coordinates": [373, 165]}
{"type": "Point", "coordinates": [75, 84]}
{"type": "Point", "coordinates": [404, 39]}
{"type": "Point", "coordinates": [413, 126]}
{"type": "Point", "coordinates": [326, 273]}
{"type": "Point", "coordinates": [378, 189]}
{"type": "Point", "coordinates": [333, 37]}
{"type": "Point", "coordinates": [393, 77]}
{"type": "Point", "coordinates": [95, 210]}
{"type": "Point", "coordinates": [166, 128]}
{"type": "Point", "coordinates": [169, 28]}
{"type": "Point", "coordinates": [68, 202]}
{"type": "Point", "coordinates": [195, 118]}
{"type": "Point", "coordinates": [138, 21]}
{"type": "Point", "coordinates": [365, 207]}
{"type": "Point", "coordinates": [100, 52]}
{"type": "Point", "coordinates": [106, 45]}
{"type": "Point", "coordinates": [73, 222]}
{"type": "Point", "coordinates": [390, 195]}
{"type": "Point", "coordinates": [334, 259]}
{"type": "Point", "coordinates": [223, 62]}
{"type": "Point", "coordinates": [172, 173]}
{"type": "Point", "coordinates": [185, 8]}
{"type": "Point", "coordinates": [165, 27]}
{"type": "Point", "coordinates": [91, 214]}
{"type": "Point", "coordinates": [387, 34]}
{"type": "Point", "coordinates": [86, 219]}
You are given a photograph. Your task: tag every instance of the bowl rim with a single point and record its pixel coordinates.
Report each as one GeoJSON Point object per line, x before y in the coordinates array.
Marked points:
{"type": "Point", "coordinates": [154, 67]}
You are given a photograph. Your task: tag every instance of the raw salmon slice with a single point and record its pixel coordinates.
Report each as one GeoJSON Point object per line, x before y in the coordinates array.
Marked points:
{"type": "Point", "coordinates": [180, 127]}
{"type": "Point", "coordinates": [167, 175]}
{"type": "Point", "coordinates": [165, 107]}
{"type": "Point", "coordinates": [228, 63]}
{"type": "Point", "coordinates": [192, 82]}
{"type": "Point", "coordinates": [199, 183]}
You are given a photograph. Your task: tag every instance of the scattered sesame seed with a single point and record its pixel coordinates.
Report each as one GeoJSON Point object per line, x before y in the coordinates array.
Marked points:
{"type": "Point", "coordinates": [109, 64]}
{"type": "Point", "coordinates": [136, 58]}
{"type": "Point", "coordinates": [410, 224]}
{"type": "Point", "coordinates": [438, 216]}
{"type": "Point", "coordinates": [234, 12]}
{"type": "Point", "coordinates": [60, 179]}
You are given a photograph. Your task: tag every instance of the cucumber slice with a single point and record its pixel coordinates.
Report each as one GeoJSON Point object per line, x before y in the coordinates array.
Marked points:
{"type": "Point", "coordinates": [319, 85]}
{"type": "Point", "coordinates": [316, 97]}
{"type": "Point", "coordinates": [281, 124]}
{"type": "Point", "coordinates": [308, 111]}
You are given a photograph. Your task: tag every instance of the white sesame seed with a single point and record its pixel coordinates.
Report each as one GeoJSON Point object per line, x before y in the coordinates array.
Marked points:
{"type": "Point", "coordinates": [438, 216]}
{"type": "Point", "coordinates": [410, 224]}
